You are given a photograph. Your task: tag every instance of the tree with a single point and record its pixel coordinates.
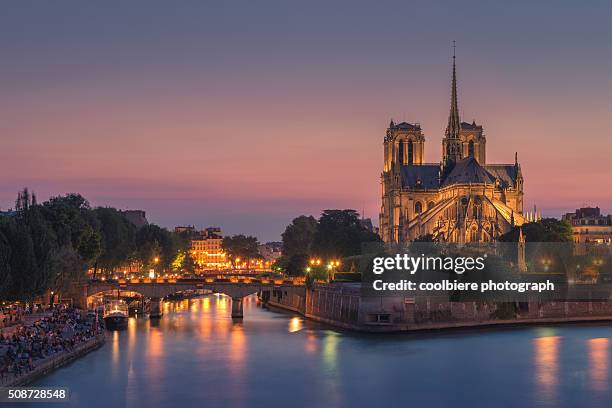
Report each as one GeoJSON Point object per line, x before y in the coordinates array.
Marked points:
{"type": "Point", "coordinates": [241, 247]}
{"type": "Point", "coordinates": [24, 281]}
{"type": "Point", "coordinates": [75, 224]}
{"type": "Point", "coordinates": [69, 268]}
{"type": "Point", "coordinates": [183, 262]}
{"type": "Point", "coordinates": [545, 230]}
{"type": "Point", "coordinates": [340, 234]}
{"type": "Point", "coordinates": [299, 235]}
{"type": "Point", "coordinates": [117, 239]}
{"type": "Point", "coordinates": [5, 266]}
{"type": "Point", "coordinates": [154, 242]}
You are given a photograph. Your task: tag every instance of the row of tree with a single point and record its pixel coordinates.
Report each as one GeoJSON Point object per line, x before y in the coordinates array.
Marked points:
{"type": "Point", "coordinates": [53, 244]}
{"type": "Point", "coordinates": [337, 234]}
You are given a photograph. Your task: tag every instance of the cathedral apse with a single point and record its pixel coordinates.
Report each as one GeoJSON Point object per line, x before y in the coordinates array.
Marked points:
{"type": "Point", "coordinates": [463, 198]}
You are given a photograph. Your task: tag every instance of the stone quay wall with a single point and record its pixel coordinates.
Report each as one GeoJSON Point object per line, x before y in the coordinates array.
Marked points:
{"type": "Point", "coordinates": [343, 305]}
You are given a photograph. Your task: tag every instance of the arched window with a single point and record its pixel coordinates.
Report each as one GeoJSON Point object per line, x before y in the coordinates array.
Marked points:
{"type": "Point", "coordinates": [471, 148]}
{"type": "Point", "coordinates": [474, 235]}
{"type": "Point", "coordinates": [400, 153]}
{"type": "Point", "coordinates": [430, 205]}
{"type": "Point", "coordinates": [418, 207]}
{"type": "Point", "coordinates": [410, 152]}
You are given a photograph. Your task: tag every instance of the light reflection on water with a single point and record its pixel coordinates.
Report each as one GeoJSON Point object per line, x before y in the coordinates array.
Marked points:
{"type": "Point", "coordinates": [195, 355]}
{"type": "Point", "coordinates": [547, 365]}
{"type": "Point", "coordinates": [598, 363]}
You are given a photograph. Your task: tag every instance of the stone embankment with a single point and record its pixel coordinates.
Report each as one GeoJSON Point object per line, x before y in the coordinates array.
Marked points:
{"type": "Point", "coordinates": [344, 306]}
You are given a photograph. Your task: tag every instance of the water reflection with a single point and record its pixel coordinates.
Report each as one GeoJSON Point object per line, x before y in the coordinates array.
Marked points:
{"type": "Point", "coordinates": [195, 355]}
{"type": "Point", "coordinates": [115, 352]}
{"type": "Point", "coordinates": [295, 324]}
{"type": "Point", "coordinates": [598, 363]}
{"type": "Point", "coordinates": [311, 345]}
{"type": "Point", "coordinates": [547, 365]}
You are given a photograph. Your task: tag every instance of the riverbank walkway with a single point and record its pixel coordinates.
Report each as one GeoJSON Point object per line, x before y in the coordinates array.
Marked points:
{"type": "Point", "coordinates": [45, 342]}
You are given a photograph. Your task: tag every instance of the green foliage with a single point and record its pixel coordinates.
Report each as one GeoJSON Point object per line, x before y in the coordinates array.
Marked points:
{"type": "Point", "coordinates": [317, 273]}
{"type": "Point", "coordinates": [5, 262]}
{"type": "Point", "coordinates": [183, 262]}
{"type": "Point", "coordinates": [296, 265]}
{"type": "Point", "coordinates": [49, 246]}
{"type": "Point", "coordinates": [24, 280]}
{"type": "Point", "coordinates": [153, 242]}
{"type": "Point", "coordinates": [241, 246]}
{"type": "Point", "coordinates": [545, 230]}
{"type": "Point", "coordinates": [75, 225]}
{"type": "Point", "coordinates": [340, 233]}
{"type": "Point", "coordinates": [117, 238]}
{"type": "Point", "coordinates": [337, 234]}
{"type": "Point", "coordinates": [299, 236]}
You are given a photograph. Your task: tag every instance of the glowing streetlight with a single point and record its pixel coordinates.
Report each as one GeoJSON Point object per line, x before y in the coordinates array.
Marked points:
{"type": "Point", "coordinates": [547, 262]}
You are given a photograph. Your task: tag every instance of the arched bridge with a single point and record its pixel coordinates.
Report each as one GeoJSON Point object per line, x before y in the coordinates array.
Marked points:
{"type": "Point", "coordinates": [237, 287]}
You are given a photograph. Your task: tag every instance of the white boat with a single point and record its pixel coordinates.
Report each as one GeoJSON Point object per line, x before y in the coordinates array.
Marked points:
{"type": "Point", "coordinates": [115, 314]}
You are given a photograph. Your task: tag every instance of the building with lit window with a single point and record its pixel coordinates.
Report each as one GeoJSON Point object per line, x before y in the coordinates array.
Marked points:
{"type": "Point", "coordinates": [207, 251]}
{"type": "Point", "coordinates": [206, 248]}
{"type": "Point", "coordinates": [589, 226]}
{"type": "Point", "coordinates": [270, 251]}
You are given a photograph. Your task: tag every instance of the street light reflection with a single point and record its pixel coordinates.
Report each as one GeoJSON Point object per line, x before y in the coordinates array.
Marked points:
{"type": "Point", "coordinates": [547, 365]}
{"type": "Point", "coordinates": [598, 363]}
{"type": "Point", "coordinates": [295, 324]}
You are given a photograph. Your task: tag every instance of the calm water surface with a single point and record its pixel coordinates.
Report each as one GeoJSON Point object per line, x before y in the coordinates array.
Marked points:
{"type": "Point", "coordinates": [196, 356]}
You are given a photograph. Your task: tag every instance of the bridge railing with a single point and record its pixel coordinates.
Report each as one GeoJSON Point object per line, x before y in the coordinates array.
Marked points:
{"type": "Point", "coordinates": [211, 279]}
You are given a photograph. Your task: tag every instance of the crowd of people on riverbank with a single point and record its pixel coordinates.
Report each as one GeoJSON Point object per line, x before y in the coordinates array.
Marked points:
{"type": "Point", "coordinates": [57, 332]}
{"type": "Point", "coordinates": [10, 315]}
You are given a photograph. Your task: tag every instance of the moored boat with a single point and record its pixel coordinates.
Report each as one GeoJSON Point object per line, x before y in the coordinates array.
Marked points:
{"type": "Point", "coordinates": [116, 315]}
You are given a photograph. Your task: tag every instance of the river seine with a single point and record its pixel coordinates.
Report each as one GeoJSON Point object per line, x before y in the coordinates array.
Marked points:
{"type": "Point", "coordinates": [195, 356]}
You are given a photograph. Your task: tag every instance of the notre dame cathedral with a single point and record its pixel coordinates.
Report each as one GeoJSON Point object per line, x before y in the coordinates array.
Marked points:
{"type": "Point", "coordinates": [461, 199]}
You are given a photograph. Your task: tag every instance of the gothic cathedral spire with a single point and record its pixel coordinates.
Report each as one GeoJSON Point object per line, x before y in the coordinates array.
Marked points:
{"type": "Point", "coordinates": [452, 130]}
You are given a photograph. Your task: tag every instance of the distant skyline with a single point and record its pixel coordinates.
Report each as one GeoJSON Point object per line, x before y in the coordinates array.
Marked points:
{"type": "Point", "coordinates": [247, 115]}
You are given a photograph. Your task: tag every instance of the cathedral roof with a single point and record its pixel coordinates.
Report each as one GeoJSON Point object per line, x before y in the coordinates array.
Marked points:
{"type": "Point", "coordinates": [505, 173]}
{"type": "Point", "coordinates": [465, 171]}
{"type": "Point", "coordinates": [421, 176]}
{"type": "Point", "coordinates": [470, 126]}
{"type": "Point", "coordinates": [468, 171]}
{"type": "Point", "coordinates": [407, 126]}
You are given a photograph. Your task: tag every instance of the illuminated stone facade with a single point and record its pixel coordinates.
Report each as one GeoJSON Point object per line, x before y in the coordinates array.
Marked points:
{"type": "Point", "coordinates": [461, 199]}
{"type": "Point", "coordinates": [590, 226]}
{"type": "Point", "coordinates": [206, 248]}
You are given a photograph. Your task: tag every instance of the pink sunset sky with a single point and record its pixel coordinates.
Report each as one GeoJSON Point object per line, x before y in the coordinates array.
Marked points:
{"type": "Point", "coordinates": [245, 117]}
